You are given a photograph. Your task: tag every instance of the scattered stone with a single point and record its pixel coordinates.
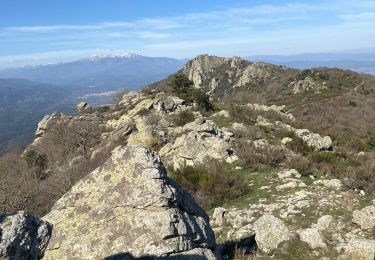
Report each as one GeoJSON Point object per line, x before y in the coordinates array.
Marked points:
{"type": "Point", "coordinates": [365, 217]}
{"type": "Point", "coordinates": [293, 183]}
{"type": "Point", "coordinates": [222, 113]}
{"type": "Point", "coordinates": [23, 237]}
{"type": "Point", "coordinates": [270, 232]}
{"type": "Point", "coordinates": [289, 174]}
{"type": "Point", "coordinates": [286, 140]}
{"type": "Point", "coordinates": [261, 121]}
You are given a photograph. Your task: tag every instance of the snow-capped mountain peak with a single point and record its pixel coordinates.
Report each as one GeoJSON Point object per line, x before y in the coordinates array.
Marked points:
{"type": "Point", "coordinates": [98, 56]}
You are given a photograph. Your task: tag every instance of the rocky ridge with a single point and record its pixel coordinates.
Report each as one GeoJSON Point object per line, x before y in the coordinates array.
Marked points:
{"type": "Point", "coordinates": [284, 212]}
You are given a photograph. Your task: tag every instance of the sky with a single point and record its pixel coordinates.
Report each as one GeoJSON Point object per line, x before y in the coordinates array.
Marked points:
{"type": "Point", "coordinates": [43, 31]}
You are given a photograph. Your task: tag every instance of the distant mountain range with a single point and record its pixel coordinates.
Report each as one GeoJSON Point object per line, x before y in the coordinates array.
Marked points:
{"type": "Point", "coordinates": [363, 62]}
{"type": "Point", "coordinates": [100, 71]}
{"type": "Point", "coordinates": [28, 93]}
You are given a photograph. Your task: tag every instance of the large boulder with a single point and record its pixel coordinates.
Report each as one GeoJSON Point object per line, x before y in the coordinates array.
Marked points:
{"type": "Point", "coordinates": [312, 237]}
{"type": "Point", "coordinates": [128, 205]}
{"type": "Point", "coordinates": [23, 237]}
{"type": "Point", "coordinates": [365, 217]}
{"type": "Point", "coordinates": [270, 232]}
{"type": "Point", "coordinates": [360, 249]}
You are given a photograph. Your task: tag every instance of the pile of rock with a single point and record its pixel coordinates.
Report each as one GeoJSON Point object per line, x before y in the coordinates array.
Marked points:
{"type": "Point", "coordinates": [200, 142]}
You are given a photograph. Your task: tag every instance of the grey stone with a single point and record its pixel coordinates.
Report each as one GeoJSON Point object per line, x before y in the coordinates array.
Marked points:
{"type": "Point", "coordinates": [23, 236]}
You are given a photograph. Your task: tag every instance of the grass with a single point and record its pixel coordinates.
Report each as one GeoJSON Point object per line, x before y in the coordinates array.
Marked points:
{"type": "Point", "coordinates": [211, 184]}
{"type": "Point", "coordinates": [222, 121]}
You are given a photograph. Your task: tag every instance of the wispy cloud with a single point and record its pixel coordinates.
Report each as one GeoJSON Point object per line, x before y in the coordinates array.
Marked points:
{"type": "Point", "coordinates": [251, 29]}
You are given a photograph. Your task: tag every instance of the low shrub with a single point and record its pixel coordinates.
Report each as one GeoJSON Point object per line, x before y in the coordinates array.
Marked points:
{"type": "Point", "coordinates": [242, 114]}
{"type": "Point", "coordinates": [362, 175]}
{"type": "Point", "coordinates": [301, 164]}
{"type": "Point", "coordinates": [326, 157]}
{"type": "Point", "coordinates": [259, 157]}
{"type": "Point", "coordinates": [182, 118]}
{"type": "Point", "coordinates": [210, 184]}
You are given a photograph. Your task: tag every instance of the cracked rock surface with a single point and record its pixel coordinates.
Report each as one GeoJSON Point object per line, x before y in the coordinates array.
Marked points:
{"type": "Point", "coordinates": [128, 205]}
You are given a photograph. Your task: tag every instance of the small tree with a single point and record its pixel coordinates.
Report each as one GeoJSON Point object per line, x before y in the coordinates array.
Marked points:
{"type": "Point", "coordinates": [182, 86]}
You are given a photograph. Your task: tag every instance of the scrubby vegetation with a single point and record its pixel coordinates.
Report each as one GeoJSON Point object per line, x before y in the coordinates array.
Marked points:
{"type": "Point", "coordinates": [210, 184]}
{"type": "Point", "coordinates": [259, 157]}
{"type": "Point", "coordinates": [182, 118]}
{"type": "Point", "coordinates": [29, 188]}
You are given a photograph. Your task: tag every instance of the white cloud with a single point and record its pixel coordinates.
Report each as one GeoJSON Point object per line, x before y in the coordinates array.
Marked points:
{"type": "Point", "coordinates": [279, 28]}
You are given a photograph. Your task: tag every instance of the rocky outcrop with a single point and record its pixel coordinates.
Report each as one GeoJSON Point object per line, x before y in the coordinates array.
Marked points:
{"type": "Point", "coordinates": [202, 142]}
{"type": "Point", "coordinates": [256, 72]}
{"type": "Point", "coordinates": [128, 206]}
{"type": "Point", "coordinates": [23, 237]}
{"type": "Point", "coordinates": [47, 121]}
{"type": "Point", "coordinates": [315, 140]}
{"type": "Point", "coordinates": [303, 85]}
{"type": "Point", "coordinates": [274, 108]}
{"type": "Point", "coordinates": [270, 232]}
{"type": "Point", "coordinates": [83, 107]}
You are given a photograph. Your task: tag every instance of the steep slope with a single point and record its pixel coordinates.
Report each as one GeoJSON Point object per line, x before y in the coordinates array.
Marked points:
{"type": "Point", "coordinates": [103, 72]}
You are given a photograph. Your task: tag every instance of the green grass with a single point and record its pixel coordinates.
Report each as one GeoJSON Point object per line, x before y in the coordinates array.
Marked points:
{"type": "Point", "coordinates": [366, 200]}
{"type": "Point", "coordinates": [222, 121]}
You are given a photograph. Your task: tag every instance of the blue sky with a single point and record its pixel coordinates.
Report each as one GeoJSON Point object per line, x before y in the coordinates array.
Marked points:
{"type": "Point", "coordinates": [41, 31]}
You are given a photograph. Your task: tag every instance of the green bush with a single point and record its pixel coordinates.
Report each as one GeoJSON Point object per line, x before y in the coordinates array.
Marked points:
{"type": "Point", "coordinates": [353, 103]}
{"type": "Point", "coordinates": [184, 88]}
{"type": "Point", "coordinates": [210, 184]}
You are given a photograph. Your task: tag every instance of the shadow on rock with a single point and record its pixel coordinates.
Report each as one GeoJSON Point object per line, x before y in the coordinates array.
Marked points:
{"type": "Point", "coordinates": [245, 246]}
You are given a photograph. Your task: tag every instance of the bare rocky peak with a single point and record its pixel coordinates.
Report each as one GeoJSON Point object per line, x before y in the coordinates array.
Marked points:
{"type": "Point", "coordinates": [212, 72]}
